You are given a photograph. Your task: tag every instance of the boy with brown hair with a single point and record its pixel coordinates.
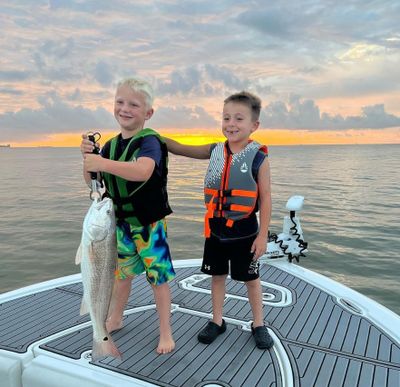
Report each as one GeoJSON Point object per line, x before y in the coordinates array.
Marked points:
{"type": "Point", "coordinates": [236, 186]}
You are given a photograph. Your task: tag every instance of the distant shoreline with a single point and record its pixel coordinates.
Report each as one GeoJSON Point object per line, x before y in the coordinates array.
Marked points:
{"type": "Point", "coordinates": [270, 146]}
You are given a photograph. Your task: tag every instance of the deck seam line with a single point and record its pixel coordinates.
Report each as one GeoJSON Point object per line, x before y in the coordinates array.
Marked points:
{"type": "Point", "coordinates": [342, 354]}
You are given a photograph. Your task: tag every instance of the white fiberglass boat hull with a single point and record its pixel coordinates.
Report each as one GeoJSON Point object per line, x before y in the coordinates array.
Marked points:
{"type": "Point", "coordinates": [325, 335]}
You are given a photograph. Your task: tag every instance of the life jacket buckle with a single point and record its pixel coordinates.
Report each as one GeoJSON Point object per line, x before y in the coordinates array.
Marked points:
{"type": "Point", "coordinates": [224, 192]}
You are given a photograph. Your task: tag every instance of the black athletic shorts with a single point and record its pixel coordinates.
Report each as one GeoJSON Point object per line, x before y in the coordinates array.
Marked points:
{"type": "Point", "coordinates": [219, 254]}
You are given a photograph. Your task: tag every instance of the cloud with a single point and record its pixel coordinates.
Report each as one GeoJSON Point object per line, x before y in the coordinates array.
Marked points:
{"type": "Point", "coordinates": [204, 80]}
{"type": "Point", "coordinates": [14, 75]}
{"type": "Point", "coordinates": [226, 76]}
{"type": "Point", "coordinates": [313, 21]}
{"type": "Point", "coordinates": [182, 118]}
{"type": "Point", "coordinates": [272, 21]}
{"type": "Point", "coordinates": [72, 52]}
{"type": "Point", "coordinates": [104, 74]}
{"type": "Point", "coordinates": [181, 81]}
{"type": "Point", "coordinates": [56, 116]}
{"type": "Point", "coordinates": [53, 116]}
{"type": "Point", "coordinates": [305, 114]}
{"type": "Point", "coordinates": [10, 91]}
{"type": "Point", "coordinates": [96, 6]}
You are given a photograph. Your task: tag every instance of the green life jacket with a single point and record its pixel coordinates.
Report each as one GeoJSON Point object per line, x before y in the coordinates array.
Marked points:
{"type": "Point", "coordinates": [140, 203]}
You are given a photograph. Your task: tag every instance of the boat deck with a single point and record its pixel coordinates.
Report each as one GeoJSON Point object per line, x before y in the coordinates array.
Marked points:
{"type": "Point", "coordinates": [319, 340]}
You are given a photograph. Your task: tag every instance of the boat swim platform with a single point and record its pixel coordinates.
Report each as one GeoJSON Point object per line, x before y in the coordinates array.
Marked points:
{"type": "Point", "coordinates": [320, 339]}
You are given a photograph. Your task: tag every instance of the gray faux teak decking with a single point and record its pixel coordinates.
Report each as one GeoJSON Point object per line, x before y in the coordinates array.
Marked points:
{"type": "Point", "coordinates": [326, 343]}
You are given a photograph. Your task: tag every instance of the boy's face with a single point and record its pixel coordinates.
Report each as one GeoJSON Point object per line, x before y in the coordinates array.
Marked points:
{"type": "Point", "coordinates": [237, 124]}
{"type": "Point", "coordinates": [130, 110]}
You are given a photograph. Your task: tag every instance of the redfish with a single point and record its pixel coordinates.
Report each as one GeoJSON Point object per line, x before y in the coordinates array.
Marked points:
{"type": "Point", "coordinates": [97, 255]}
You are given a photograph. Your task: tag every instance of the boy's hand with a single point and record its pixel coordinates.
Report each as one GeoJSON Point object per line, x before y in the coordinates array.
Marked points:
{"type": "Point", "coordinates": [86, 145]}
{"type": "Point", "coordinates": [259, 247]}
{"type": "Point", "coordinates": [93, 163]}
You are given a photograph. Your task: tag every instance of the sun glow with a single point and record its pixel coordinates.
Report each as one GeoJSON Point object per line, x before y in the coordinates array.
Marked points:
{"type": "Point", "coordinates": [264, 136]}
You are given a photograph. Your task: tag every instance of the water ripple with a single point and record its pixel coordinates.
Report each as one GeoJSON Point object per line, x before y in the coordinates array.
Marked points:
{"type": "Point", "coordinates": [350, 217]}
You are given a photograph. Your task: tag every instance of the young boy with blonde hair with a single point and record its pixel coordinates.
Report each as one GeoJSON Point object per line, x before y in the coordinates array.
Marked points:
{"type": "Point", "coordinates": [133, 167]}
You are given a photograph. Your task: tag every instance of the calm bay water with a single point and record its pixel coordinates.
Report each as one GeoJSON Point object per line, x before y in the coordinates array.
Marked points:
{"type": "Point", "coordinates": [350, 218]}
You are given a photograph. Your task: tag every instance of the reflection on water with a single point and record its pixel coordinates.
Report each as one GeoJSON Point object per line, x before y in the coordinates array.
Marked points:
{"type": "Point", "coordinates": [350, 217]}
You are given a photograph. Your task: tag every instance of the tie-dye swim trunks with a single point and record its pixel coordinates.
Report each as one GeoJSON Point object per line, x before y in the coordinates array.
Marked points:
{"type": "Point", "coordinates": [144, 249]}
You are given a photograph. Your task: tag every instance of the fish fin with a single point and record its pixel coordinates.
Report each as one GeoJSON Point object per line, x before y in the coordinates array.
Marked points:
{"type": "Point", "coordinates": [106, 347]}
{"type": "Point", "coordinates": [78, 256]}
{"type": "Point", "coordinates": [91, 251]}
{"type": "Point", "coordinates": [84, 307]}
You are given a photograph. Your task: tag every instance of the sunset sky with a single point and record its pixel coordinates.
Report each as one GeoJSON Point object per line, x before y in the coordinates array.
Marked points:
{"type": "Point", "coordinates": [327, 71]}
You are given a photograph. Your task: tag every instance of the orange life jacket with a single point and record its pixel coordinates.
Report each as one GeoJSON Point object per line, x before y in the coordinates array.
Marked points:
{"type": "Point", "coordinates": [230, 190]}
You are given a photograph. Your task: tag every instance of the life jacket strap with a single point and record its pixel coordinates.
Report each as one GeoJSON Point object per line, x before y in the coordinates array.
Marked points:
{"type": "Point", "coordinates": [220, 207]}
{"type": "Point", "coordinates": [230, 192]}
{"type": "Point", "coordinates": [245, 193]}
{"type": "Point", "coordinates": [209, 215]}
{"type": "Point", "coordinates": [240, 208]}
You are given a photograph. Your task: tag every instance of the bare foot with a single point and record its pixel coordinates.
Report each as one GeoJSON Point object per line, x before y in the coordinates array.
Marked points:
{"type": "Point", "coordinates": [165, 345]}
{"type": "Point", "coordinates": [113, 325]}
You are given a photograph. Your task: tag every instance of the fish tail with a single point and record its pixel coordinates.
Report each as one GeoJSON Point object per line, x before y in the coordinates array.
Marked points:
{"type": "Point", "coordinates": [105, 347]}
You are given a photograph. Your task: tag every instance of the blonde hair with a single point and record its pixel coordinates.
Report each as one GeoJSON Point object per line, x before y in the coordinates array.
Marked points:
{"type": "Point", "coordinates": [141, 87]}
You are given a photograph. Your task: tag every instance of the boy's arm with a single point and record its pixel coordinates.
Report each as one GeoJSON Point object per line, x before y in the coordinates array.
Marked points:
{"type": "Point", "coordinates": [139, 170]}
{"type": "Point", "coordinates": [193, 151]}
{"type": "Point", "coordinates": [265, 204]}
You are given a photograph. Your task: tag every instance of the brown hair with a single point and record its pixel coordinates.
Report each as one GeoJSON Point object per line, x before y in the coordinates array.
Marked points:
{"type": "Point", "coordinates": [248, 99]}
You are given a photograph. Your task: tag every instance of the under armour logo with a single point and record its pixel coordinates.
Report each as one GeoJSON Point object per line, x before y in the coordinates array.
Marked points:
{"type": "Point", "coordinates": [244, 168]}
{"type": "Point", "coordinates": [254, 267]}
{"type": "Point", "coordinates": [207, 267]}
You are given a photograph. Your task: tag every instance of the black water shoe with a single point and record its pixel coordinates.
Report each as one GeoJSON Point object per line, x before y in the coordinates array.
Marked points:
{"type": "Point", "coordinates": [210, 332]}
{"type": "Point", "coordinates": [262, 337]}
